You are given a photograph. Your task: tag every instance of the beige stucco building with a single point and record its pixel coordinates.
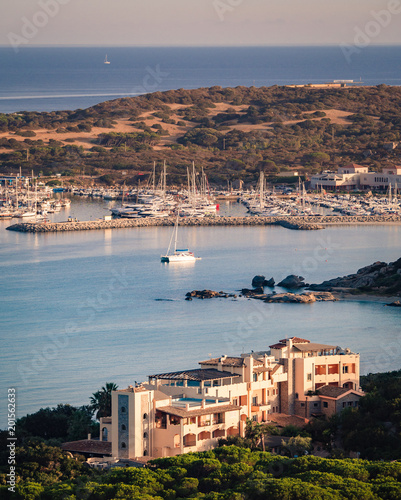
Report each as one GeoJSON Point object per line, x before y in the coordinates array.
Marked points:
{"type": "Point", "coordinates": [190, 410]}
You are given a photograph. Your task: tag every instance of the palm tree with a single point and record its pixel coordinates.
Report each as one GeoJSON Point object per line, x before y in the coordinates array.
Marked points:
{"type": "Point", "coordinates": [101, 400]}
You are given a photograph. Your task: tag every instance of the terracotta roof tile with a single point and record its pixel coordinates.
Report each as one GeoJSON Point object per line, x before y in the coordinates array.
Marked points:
{"type": "Point", "coordinates": [198, 374]}
{"type": "Point", "coordinates": [88, 446]}
{"type": "Point", "coordinates": [229, 361]}
{"type": "Point", "coordinates": [296, 340]}
{"type": "Point", "coordinates": [282, 420]}
{"type": "Point", "coordinates": [209, 410]}
{"type": "Point", "coordinates": [331, 391]}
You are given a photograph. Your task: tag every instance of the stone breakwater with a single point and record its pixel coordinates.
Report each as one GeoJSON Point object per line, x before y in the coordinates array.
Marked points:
{"type": "Point", "coordinates": [300, 223]}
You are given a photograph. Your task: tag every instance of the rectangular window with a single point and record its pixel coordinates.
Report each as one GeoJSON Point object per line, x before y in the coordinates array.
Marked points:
{"type": "Point", "coordinates": [255, 400]}
{"type": "Point", "coordinates": [302, 405]}
{"type": "Point", "coordinates": [320, 370]}
{"type": "Point", "coordinates": [255, 377]}
{"type": "Point", "coordinates": [309, 376]}
{"type": "Point", "coordinates": [345, 369]}
{"type": "Point", "coordinates": [333, 369]}
{"type": "Point", "coordinates": [325, 404]}
{"type": "Point", "coordinates": [235, 401]}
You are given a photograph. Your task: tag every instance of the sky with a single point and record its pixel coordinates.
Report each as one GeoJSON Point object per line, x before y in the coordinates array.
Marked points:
{"type": "Point", "coordinates": [199, 22]}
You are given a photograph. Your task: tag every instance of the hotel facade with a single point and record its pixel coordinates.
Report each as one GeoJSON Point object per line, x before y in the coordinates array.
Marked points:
{"type": "Point", "coordinates": [355, 176]}
{"type": "Point", "coordinates": [190, 410]}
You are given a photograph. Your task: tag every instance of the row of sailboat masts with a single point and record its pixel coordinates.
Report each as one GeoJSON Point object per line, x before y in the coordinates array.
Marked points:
{"type": "Point", "coordinates": [193, 186]}
{"type": "Point", "coordinates": [392, 195]}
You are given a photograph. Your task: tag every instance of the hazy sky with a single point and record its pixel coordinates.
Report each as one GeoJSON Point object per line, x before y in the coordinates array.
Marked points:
{"type": "Point", "coordinates": [199, 22]}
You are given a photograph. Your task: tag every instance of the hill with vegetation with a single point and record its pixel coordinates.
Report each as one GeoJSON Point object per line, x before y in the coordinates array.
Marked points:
{"type": "Point", "coordinates": [240, 471]}
{"type": "Point", "coordinates": [226, 473]}
{"type": "Point", "coordinates": [233, 133]}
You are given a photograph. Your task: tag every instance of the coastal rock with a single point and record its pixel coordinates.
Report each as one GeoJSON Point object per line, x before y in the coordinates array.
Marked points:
{"type": "Point", "coordinates": [292, 281]}
{"type": "Point", "coordinates": [260, 281]}
{"type": "Point", "coordinates": [397, 303]}
{"type": "Point", "coordinates": [292, 298]}
{"type": "Point", "coordinates": [207, 294]}
{"type": "Point", "coordinates": [247, 292]}
{"type": "Point", "coordinates": [301, 298]}
{"type": "Point", "coordinates": [379, 278]}
{"type": "Point", "coordinates": [270, 283]}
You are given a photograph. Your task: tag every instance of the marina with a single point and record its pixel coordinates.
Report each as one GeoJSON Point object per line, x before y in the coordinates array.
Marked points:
{"type": "Point", "coordinates": [110, 302]}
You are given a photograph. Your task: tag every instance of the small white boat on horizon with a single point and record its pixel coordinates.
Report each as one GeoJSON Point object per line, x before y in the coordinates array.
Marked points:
{"type": "Point", "coordinates": [106, 61]}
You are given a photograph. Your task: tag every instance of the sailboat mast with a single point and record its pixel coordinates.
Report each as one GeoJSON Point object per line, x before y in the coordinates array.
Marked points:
{"type": "Point", "coordinates": [164, 180]}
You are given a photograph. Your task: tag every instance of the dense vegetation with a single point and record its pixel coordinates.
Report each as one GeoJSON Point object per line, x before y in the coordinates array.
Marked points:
{"type": "Point", "coordinates": [232, 132]}
{"type": "Point", "coordinates": [226, 473]}
{"type": "Point", "coordinates": [231, 472]}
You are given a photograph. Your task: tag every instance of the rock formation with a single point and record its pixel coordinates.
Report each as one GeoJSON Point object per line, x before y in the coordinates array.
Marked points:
{"type": "Point", "coordinates": [379, 279]}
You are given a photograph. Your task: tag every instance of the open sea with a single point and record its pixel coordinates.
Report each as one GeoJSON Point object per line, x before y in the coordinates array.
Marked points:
{"type": "Point", "coordinates": [47, 79]}
{"type": "Point", "coordinates": [81, 309]}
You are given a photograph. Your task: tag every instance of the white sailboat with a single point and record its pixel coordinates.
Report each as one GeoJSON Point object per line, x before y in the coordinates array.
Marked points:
{"type": "Point", "coordinates": [180, 254]}
{"type": "Point", "coordinates": [106, 61]}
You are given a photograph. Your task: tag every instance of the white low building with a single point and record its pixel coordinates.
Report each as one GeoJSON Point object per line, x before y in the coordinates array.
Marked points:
{"type": "Point", "coordinates": [355, 176]}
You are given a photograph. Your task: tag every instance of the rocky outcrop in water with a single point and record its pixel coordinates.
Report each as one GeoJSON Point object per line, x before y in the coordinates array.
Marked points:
{"type": "Point", "coordinates": [396, 303]}
{"type": "Point", "coordinates": [293, 282]}
{"type": "Point", "coordinates": [260, 281]}
{"type": "Point", "coordinates": [379, 279]}
{"type": "Point", "coordinates": [207, 294]}
{"type": "Point", "coordinates": [301, 298]}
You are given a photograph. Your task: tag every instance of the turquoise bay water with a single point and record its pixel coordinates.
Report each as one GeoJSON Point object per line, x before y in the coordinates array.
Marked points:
{"type": "Point", "coordinates": [82, 309]}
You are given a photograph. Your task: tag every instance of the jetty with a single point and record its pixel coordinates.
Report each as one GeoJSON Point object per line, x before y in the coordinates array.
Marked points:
{"type": "Point", "coordinates": [306, 223]}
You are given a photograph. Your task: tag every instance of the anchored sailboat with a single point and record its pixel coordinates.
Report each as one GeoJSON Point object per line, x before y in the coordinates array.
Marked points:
{"type": "Point", "coordinates": [106, 61]}
{"type": "Point", "coordinates": [180, 254]}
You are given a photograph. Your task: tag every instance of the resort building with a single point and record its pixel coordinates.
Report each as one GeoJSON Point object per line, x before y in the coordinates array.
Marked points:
{"type": "Point", "coordinates": [191, 410]}
{"type": "Point", "coordinates": [355, 176]}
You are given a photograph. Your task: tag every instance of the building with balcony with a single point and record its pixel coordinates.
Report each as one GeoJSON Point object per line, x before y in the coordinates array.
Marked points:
{"type": "Point", "coordinates": [355, 176]}
{"type": "Point", "coordinates": [178, 412]}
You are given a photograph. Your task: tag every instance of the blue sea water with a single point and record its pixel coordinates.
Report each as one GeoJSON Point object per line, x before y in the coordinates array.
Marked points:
{"type": "Point", "coordinates": [80, 309]}
{"type": "Point", "coordinates": [85, 308]}
{"type": "Point", "coordinates": [46, 79]}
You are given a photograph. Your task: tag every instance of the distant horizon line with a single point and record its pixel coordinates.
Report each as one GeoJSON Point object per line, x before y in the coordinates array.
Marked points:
{"type": "Point", "coordinates": [78, 45]}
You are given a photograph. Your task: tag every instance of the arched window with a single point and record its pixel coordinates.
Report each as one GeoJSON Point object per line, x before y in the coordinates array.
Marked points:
{"type": "Point", "coordinates": [123, 445]}
{"type": "Point", "coordinates": [145, 416]}
{"type": "Point", "coordinates": [145, 435]}
{"type": "Point", "coordinates": [145, 452]}
{"type": "Point", "coordinates": [104, 434]}
{"type": "Point", "coordinates": [123, 409]}
{"type": "Point", "coordinates": [123, 427]}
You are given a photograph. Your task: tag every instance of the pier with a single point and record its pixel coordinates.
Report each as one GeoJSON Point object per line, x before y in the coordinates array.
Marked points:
{"type": "Point", "coordinates": [291, 222]}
